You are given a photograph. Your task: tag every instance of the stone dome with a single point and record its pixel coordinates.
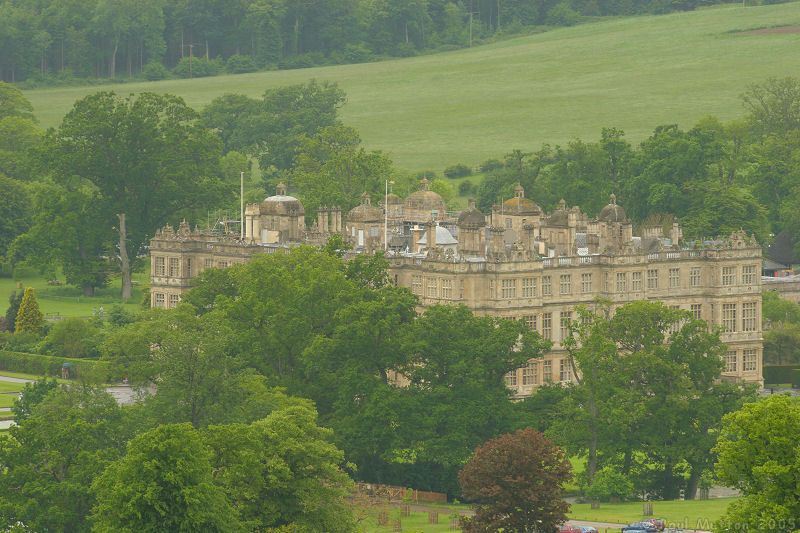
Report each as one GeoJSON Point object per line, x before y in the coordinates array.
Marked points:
{"type": "Point", "coordinates": [393, 199]}
{"type": "Point", "coordinates": [366, 212]}
{"type": "Point", "coordinates": [282, 204]}
{"type": "Point", "coordinates": [521, 206]}
{"type": "Point", "coordinates": [425, 200]}
{"type": "Point", "coordinates": [560, 217]}
{"type": "Point", "coordinates": [471, 217]}
{"type": "Point", "coordinates": [612, 212]}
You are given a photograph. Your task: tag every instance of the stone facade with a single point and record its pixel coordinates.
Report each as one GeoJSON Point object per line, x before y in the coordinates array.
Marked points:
{"type": "Point", "coordinates": [519, 264]}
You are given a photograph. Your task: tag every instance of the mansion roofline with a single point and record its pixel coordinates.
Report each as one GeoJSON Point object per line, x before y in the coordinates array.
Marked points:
{"type": "Point", "coordinates": [517, 262]}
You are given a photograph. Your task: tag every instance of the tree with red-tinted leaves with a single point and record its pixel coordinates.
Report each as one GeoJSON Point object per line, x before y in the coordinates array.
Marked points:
{"type": "Point", "coordinates": [515, 482]}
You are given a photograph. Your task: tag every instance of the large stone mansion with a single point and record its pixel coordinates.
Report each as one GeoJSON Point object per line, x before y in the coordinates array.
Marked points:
{"type": "Point", "coordinates": [518, 262]}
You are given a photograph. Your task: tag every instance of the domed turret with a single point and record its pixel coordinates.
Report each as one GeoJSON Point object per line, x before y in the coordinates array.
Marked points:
{"type": "Point", "coordinates": [281, 203]}
{"type": "Point", "coordinates": [560, 217]}
{"type": "Point", "coordinates": [278, 219]}
{"type": "Point", "coordinates": [471, 217]}
{"type": "Point", "coordinates": [366, 212]}
{"type": "Point", "coordinates": [421, 204]}
{"type": "Point", "coordinates": [519, 205]}
{"type": "Point", "coordinates": [612, 212]}
{"type": "Point", "coordinates": [393, 199]}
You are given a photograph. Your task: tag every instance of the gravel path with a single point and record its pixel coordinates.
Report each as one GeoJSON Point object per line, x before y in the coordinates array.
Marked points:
{"type": "Point", "coordinates": [9, 379]}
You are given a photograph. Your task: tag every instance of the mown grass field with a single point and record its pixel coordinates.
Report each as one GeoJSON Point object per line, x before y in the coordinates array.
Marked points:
{"type": "Point", "coordinates": [8, 393]}
{"type": "Point", "coordinates": [697, 514]}
{"type": "Point", "coordinates": [417, 521]}
{"type": "Point", "coordinates": [469, 105]}
{"type": "Point", "coordinates": [68, 301]}
{"type": "Point", "coordinates": [690, 514]}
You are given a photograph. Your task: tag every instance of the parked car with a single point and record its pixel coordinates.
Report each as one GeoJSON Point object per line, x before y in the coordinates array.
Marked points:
{"type": "Point", "coordinates": [640, 527]}
{"type": "Point", "coordinates": [566, 528]}
{"type": "Point", "coordinates": [658, 523]}
{"type": "Point", "coordinates": [588, 529]}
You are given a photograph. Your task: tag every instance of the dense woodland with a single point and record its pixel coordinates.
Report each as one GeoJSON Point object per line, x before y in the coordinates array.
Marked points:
{"type": "Point", "coordinates": [55, 41]}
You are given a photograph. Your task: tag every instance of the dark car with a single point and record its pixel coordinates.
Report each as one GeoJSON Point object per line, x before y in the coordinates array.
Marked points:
{"type": "Point", "coordinates": [640, 527]}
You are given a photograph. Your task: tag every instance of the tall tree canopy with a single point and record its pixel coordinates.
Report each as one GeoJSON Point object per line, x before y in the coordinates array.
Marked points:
{"type": "Point", "coordinates": [272, 129]}
{"type": "Point", "coordinates": [759, 456]}
{"type": "Point", "coordinates": [148, 159]}
{"type": "Point", "coordinates": [646, 397]}
{"type": "Point", "coordinates": [163, 483]}
{"type": "Point", "coordinates": [51, 457]}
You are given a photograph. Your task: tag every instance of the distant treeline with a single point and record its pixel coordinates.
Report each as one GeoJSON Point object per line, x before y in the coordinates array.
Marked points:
{"type": "Point", "coordinates": [53, 41]}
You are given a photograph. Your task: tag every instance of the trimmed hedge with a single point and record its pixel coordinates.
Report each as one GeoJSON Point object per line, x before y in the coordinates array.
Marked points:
{"type": "Point", "coordinates": [48, 365]}
{"type": "Point", "coordinates": [796, 378]}
{"type": "Point", "coordinates": [779, 375]}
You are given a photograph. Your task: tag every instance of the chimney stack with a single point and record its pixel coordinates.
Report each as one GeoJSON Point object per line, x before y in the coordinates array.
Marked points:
{"type": "Point", "coordinates": [497, 244]}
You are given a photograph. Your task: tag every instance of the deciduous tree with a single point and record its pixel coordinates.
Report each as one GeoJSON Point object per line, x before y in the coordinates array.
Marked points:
{"type": "Point", "coordinates": [515, 482]}
{"type": "Point", "coordinates": [272, 128]}
{"type": "Point", "coordinates": [32, 395]}
{"type": "Point", "coordinates": [15, 212]}
{"type": "Point", "coordinates": [193, 361]}
{"type": "Point", "coordinates": [51, 457]}
{"type": "Point", "coordinates": [645, 391]}
{"type": "Point", "coordinates": [333, 169]}
{"type": "Point", "coordinates": [70, 232]}
{"type": "Point", "coordinates": [163, 482]}
{"type": "Point", "coordinates": [759, 456]}
{"type": "Point", "coordinates": [147, 156]}
{"type": "Point", "coordinates": [282, 471]}
{"type": "Point", "coordinates": [774, 105]}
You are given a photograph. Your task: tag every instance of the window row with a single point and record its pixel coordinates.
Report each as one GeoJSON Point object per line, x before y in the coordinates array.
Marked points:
{"type": "Point", "coordinates": [165, 301]}
{"type": "Point", "coordinates": [432, 287]}
{"type": "Point", "coordinates": [749, 317]}
{"type": "Point", "coordinates": [546, 320]}
{"type": "Point", "coordinates": [562, 284]}
{"type": "Point", "coordinates": [625, 281]}
{"type": "Point", "coordinates": [532, 376]}
{"type": "Point", "coordinates": [748, 274]}
{"type": "Point", "coordinates": [530, 286]}
{"type": "Point", "coordinates": [171, 266]}
{"type": "Point", "coordinates": [749, 360]}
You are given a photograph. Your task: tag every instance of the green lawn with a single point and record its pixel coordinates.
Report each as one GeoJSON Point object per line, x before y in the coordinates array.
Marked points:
{"type": "Point", "coordinates": [68, 301]}
{"type": "Point", "coordinates": [6, 387]}
{"type": "Point", "coordinates": [414, 522]}
{"type": "Point", "coordinates": [469, 105]}
{"type": "Point", "coordinates": [698, 514]}
{"type": "Point", "coordinates": [7, 399]}
{"type": "Point", "coordinates": [695, 514]}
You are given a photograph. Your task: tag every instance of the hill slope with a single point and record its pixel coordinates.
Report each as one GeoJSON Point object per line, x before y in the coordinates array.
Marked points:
{"type": "Point", "coordinates": [469, 105]}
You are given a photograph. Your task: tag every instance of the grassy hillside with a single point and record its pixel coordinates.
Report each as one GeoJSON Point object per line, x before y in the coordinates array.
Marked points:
{"type": "Point", "coordinates": [469, 105]}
